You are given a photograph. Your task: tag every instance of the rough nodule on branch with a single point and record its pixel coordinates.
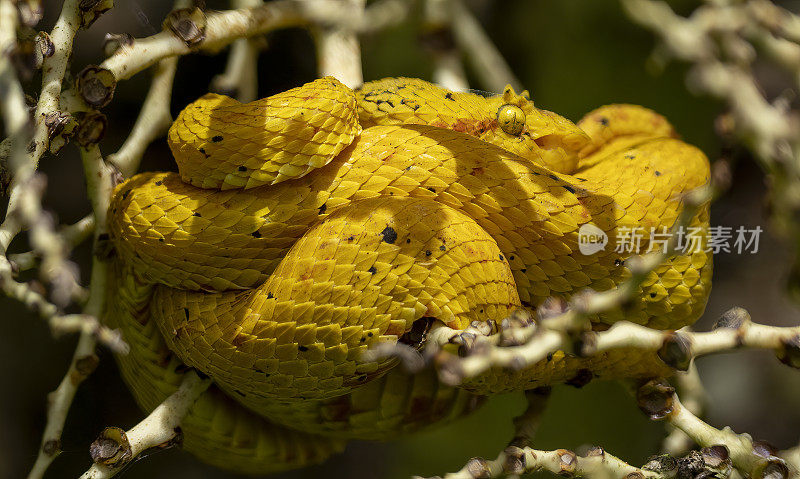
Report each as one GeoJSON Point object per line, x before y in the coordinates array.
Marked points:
{"type": "Point", "coordinates": [64, 112]}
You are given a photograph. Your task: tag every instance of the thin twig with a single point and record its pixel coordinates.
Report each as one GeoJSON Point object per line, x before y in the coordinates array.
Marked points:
{"type": "Point", "coordinates": [721, 41]}
{"type": "Point", "coordinates": [694, 397]}
{"type": "Point", "coordinates": [515, 461]}
{"type": "Point", "coordinates": [84, 361]}
{"type": "Point", "coordinates": [657, 399]}
{"type": "Point", "coordinates": [240, 78]}
{"type": "Point", "coordinates": [99, 179]}
{"type": "Point", "coordinates": [221, 29]}
{"type": "Point", "coordinates": [24, 204]}
{"type": "Point", "coordinates": [115, 448]}
{"type": "Point", "coordinates": [490, 66]}
{"type": "Point", "coordinates": [734, 331]}
{"type": "Point", "coordinates": [153, 121]}
{"type": "Point", "coordinates": [448, 70]}
{"type": "Point", "coordinates": [338, 49]}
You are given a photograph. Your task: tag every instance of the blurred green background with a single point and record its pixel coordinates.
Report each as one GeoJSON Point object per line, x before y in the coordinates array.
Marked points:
{"type": "Point", "coordinates": [573, 55]}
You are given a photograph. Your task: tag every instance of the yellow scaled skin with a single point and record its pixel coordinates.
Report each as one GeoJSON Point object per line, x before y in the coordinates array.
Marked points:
{"type": "Point", "coordinates": [306, 227]}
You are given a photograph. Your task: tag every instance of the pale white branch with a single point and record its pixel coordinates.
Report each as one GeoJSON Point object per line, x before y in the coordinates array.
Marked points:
{"type": "Point", "coordinates": [99, 182]}
{"type": "Point", "coordinates": [490, 66]}
{"type": "Point", "coordinates": [153, 121]}
{"type": "Point", "coordinates": [694, 397]}
{"type": "Point", "coordinates": [338, 49]}
{"type": "Point", "coordinates": [658, 399]}
{"type": "Point", "coordinates": [448, 70]}
{"type": "Point", "coordinates": [114, 449]}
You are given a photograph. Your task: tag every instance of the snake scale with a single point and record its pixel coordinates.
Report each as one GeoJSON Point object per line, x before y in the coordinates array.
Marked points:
{"type": "Point", "coordinates": [304, 228]}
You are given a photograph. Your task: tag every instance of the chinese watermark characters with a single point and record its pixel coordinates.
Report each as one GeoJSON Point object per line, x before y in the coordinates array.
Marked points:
{"type": "Point", "coordinates": [688, 240]}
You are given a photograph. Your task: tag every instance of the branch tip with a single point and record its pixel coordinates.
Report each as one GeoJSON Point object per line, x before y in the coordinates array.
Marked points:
{"type": "Point", "coordinates": [655, 399]}
{"type": "Point", "coordinates": [188, 24]}
{"type": "Point", "coordinates": [111, 448]}
{"type": "Point", "coordinates": [96, 85]}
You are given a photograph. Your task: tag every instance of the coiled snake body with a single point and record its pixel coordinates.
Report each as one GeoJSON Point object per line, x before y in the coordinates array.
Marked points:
{"type": "Point", "coordinates": [306, 227]}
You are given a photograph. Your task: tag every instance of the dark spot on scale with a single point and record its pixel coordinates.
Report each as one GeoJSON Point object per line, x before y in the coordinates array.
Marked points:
{"type": "Point", "coordinates": [658, 173]}
{"type": "Point", "coordinates": [428, 252]}
{"type": "Point", "coordinates": [442, 248]}
{"type": "Point", "coordinates": [511, 258]}
{"type": "Point", "coordinates": [630, 157]}
{"type": "Point", "coordinates": [568, 188]}
{"type": "Point", "coordinates": [603, 121]}
{"type": "Point", "coordinates": [196, 214]}
{"type": "Point", "coordinates": [186, 313]}
{"type": "Point", "coordinates": [323, 208]}
{"type": "Point", "coordinates": [255, 234]}
{"type": "Point", "coordinates": [408, 240]}
{"type": "Point", "coordinates": [300, 347]}
{"type": "Point", "coordinates": [501, 257]}
{"type": "Point", "coordinates": [618, 262]}
{"type": "Point", "coordinates": [125, 194]}
{"type": "Point", "coordinates": [653, 294]}
{"type": "Point", "coordinates": [216, 139]}
{"type": "Point", "coordinates": [554, 177]}
{"type": "Point", "coordinates": [370, 334]}
{"type": "Point", "coordinates": [239, 393]}
{"type": "Point", "coordinates": [524, 270]}
{"type": "Point", "coordinates": [410, 104]}
{"type": "Point", "coordinates": [549, 357]}
{"type": "Point", "coordinates": [372, 269]}
{"type": "Point", "coordinates": [161, 240]}
{"type": "Point", "coordinates": [270, 296]}
{"type": "Point", "coordinates": [242, 168]}
{"type": "Point", "coordinates": [362, 378]}
{"type": "Point", "coordinates": [389, 235]}
{"type": "Point", "coordinates": [580, 179]}
{"type": "Point", "coordinates": [449, 96]}
{"type": "Point", "coordinates": [351, 238]}
{"type": "Point", "coordinates": [362, 339]}
{"type": "Point", "coordinates": [258, 371]}
{"type": "Point", "coordinates": [432, 190]}
{"type": "Point", "coordinates": [379, 102]}
{"type": "Point", "coordinates": [203, 151]}
{"type": "Point", "coordinates": [159, 183]}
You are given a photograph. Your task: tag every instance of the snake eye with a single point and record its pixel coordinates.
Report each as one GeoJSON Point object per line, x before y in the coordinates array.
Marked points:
{"type": "Point", "coordinates": [511, 119]}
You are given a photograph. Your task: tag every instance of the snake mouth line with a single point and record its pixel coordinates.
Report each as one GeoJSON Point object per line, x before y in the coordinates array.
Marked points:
{"type": "Point", "coordinates": [549, 142]}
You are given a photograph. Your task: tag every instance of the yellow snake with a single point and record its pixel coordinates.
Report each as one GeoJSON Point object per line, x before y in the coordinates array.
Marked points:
{"type": "Point", "coordinates": [304, 228]}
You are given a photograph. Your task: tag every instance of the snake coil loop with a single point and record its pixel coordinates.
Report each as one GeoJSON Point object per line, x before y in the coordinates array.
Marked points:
{"type": "Point", "coordinates": [305, 228]}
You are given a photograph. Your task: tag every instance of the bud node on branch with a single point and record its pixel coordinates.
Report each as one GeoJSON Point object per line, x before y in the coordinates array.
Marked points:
{"type": "Point", "coordinates": [90, 10]}
{"type": "Point", "coordinates": [188, 24]}
{"type": "Point", "coordinates": [96, 85]}
{"type": "Point", "coordinates": [111, 448]}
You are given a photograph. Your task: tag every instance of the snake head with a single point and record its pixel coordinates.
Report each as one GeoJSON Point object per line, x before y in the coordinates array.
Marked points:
{"type": "Point", "coordinates": [539, 135]}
